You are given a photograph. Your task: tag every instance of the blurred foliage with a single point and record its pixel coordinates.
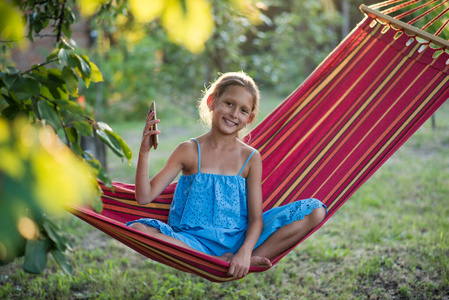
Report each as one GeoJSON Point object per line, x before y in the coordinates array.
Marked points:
{"type": "Point", "coordinates": [300, 36]}
{"type": "Point", "coordinates": [38, 175]}
{"type": "Point", "coordinates": [188, 23]}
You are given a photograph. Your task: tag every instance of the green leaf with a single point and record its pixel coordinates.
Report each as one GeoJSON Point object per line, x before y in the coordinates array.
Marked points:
{"type": "Point", "coordinates": [73, 61]}
{"type": "Point", "coordinates": [52, 55]}
{"type": "Point", "coordinates": [12, 70]}
{"type": "Point", "coordinates": [85, 66]}
{"type": "Point", "coordinates": [96, 165]}
{"type": "Point", "coordinates": [10, 99]}
{"type": "Point", "coordinates": [53, 233]}
{"type": "Point", "coordinates": [45, 93]}
{"type": "Point", "coordinates": [67, 30]}
{"type": "Point", "coordinates": [121, 143]}
{"type": "Point", "coordinates": [11, 111]}
{"type": "Point", "coordinates": [23, 86]}
{"type": "Point", "coordinates": [71, 81]}
{"type": "Point", "coordinates": [62, 261]}
{"type": "Point", "coordinates": [72, 134]}
{"type": "Point", "coordinates": [35, 256]}
{"type": "Point", "coordinates": [54, 78]}
{"type": "Point", "coordinates": [96, 74]}
{"type": "Point", "coordinates": [69, 117]}
{"type": "Point", "coordinates": [49, 114]}
{"type": "Point", "coordinates": [32, 85]}
{"type": "Point", "coordinates": [112, 144]}
{"type": "Point", "coordinates": [70, 106]}
{"type": "Point", "coordinates": [83, 127]}
{"type": "Point", "coordinates": [63, 55]}
{"type": "Point", "coordinates": [10, 79]}
{"type": "Point", "coordinates": [76, 147]}
{"type": "Point", "coordinates": [81, 63]}
{"type": "Point", "coordinates": [26, 87]}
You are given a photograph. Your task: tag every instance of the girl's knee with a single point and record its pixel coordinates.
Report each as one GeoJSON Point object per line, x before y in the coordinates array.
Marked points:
{"type": "Point", "coordinates": [318, 215]}
{"type": "Point", "coordinates": [137, 226]}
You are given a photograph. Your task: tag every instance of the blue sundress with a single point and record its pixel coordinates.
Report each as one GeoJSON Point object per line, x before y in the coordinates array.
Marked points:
{"type": "Point", "coordinates": [209, 212]}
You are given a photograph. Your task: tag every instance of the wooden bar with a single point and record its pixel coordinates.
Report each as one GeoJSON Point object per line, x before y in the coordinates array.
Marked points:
{"type": "Point", "coordinates": [404, 26]}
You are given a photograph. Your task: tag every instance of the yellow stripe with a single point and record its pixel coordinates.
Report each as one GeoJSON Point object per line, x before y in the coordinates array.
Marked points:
{"type": "Point", "coordinates": [164, 206]}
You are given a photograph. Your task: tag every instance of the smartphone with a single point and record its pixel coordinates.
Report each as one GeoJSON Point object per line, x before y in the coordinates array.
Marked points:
{"type": "Point", "coordinates": [154, 138]}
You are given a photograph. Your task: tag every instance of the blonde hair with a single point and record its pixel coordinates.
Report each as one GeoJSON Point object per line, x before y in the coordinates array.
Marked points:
{"type": "Point", "coordinates": [221, 86]}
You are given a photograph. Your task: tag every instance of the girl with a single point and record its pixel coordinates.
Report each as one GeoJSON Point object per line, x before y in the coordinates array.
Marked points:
{"type": "Point", "coordinates": [217, 205]}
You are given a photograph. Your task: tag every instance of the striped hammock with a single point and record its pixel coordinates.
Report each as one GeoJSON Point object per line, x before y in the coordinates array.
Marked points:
{"type": "Point", "coordinates": [324, 141]}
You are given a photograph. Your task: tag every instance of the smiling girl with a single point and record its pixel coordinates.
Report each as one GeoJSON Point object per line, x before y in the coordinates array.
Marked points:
{"type": "Point", "coordinates": [217, 205]}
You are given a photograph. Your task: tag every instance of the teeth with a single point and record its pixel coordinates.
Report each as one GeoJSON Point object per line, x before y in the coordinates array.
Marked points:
{"type": "Point", "coordinates": [230, 122]}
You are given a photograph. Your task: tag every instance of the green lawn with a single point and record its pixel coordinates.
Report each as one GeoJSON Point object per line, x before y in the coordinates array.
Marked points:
{"type": "Point", "coordinates": [389, 241]}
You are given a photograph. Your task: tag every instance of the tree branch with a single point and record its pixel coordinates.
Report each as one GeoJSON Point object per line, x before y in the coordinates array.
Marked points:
{"type": "Point", "coordinates": [60, 21]}
{"type": "Point", "coordinates": [40, 65]}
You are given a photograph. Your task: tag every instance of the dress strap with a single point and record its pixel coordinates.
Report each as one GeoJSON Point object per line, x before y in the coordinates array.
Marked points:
{"type": "Point", "coordinates": [199, 156]}
{"type": "Point", "coordinates": [244, 165]}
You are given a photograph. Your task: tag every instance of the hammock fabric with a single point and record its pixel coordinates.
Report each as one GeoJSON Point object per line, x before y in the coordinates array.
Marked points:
{"type": "Point", "coordinates": [324, 141]}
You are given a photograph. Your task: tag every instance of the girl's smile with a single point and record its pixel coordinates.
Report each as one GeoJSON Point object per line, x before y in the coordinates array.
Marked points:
{"type": "Point", "coordinates": [229, 122]}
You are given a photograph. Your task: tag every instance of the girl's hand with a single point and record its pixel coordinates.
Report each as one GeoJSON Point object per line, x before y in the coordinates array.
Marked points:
{"type": "Point", "coordinates": [148, 131]}
{"type": "Point", "coordinates": [239, 265]}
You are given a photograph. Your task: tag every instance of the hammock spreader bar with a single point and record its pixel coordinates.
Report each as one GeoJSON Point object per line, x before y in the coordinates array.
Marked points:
{"type": "Point", "coordinates": [324, 141]}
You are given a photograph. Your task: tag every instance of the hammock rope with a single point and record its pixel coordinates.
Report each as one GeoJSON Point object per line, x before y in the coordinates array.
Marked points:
{"type": "Point", "coordinates": [439, 31]}
{"type": "Point", "coordinates": [407, 13]}
{"type": "Point", "coordinates": [411, 22]}
{"type": "Point", "coordinates": [428, 6]}
{"type": "Point", "coordinates": [324, 141]}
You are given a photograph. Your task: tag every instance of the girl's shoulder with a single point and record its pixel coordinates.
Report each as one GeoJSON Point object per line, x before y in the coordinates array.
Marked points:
{"type": "Point", "coordinates": [251, 154]}
{"type": "Point", "coordinates": [253, 161]}
{"type": "Point", "coordinates": [186, 156]}
{"type": "Point", "coordinates": [247, 150]}
{"type": "Point", "coordinates": [186, 149]}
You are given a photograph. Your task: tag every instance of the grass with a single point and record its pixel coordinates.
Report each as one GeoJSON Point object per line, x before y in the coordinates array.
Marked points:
{"type": "Point", "coordinates": [389, 241]}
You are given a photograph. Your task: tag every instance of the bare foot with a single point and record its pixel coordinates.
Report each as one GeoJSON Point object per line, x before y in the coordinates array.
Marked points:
{"type": "Point", "coordinates": [258, 261]}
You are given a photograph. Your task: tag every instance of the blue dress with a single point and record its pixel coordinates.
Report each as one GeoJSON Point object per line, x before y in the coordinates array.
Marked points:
{"type": "Point", "coordinates": [209, 212]}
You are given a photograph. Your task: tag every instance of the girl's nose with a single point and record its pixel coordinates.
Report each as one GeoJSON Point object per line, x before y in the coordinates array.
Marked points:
{"type": "Point", "coordinates": [233, 112]}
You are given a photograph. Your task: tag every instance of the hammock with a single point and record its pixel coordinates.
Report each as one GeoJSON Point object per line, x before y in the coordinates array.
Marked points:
{"type": "Point", "coordinates": [324, 141]}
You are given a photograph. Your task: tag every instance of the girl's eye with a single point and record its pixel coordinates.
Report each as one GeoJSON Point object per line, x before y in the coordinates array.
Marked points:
{"type": "Point", "coordinates": [244, 111]}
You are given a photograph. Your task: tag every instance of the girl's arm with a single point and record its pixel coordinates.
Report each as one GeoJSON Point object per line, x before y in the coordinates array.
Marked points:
{"type": "Point", "coordinates": [147, 190]}
{"type": "Point", "coordinates": [240, 262]}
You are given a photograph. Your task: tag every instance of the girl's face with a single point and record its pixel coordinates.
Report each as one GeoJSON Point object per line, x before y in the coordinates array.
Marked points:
{"type": "Point", "coordinates": [233, 110]}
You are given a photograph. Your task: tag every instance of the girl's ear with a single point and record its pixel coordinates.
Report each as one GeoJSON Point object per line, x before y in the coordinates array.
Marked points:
{"type": "Point", "coordinates": [210, 102]}
{"type": "Point", "coordinates": [250, 119]}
